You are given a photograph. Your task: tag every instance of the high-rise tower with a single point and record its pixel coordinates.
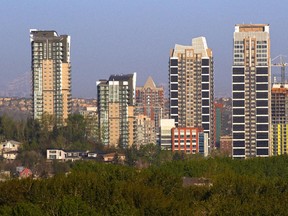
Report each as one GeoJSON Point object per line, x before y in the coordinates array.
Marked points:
{"type": "Point", "coordinates": [116, 102]}
{"type": "Point", "coordinates": [51, 74]}
{"type": "Point", "coordinates": [279, 113]}
{"type": "Point", "coordinates": [251, 91]}
{"type": "Point", "coordinates": [191, 86]}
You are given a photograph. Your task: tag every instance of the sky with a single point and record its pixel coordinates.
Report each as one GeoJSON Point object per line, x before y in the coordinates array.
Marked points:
{"type": "Point", "coordinates": [126, 36]}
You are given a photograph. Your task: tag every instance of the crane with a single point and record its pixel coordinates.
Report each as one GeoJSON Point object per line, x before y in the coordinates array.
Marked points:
{"type": "Point", "coordinates": [281, 64]}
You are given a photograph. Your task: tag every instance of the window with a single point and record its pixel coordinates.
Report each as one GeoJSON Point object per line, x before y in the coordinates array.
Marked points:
{"type": "Point", "coordinates": [238, 127]}
{"type": "Point", "coordinates": [262, 135]}
{"type": "Point", "coordinates": [238, 135]}
{"type": "Point", "coordinates": [205, 118]}
{"type": "Point", "coordinates": [262, 70]}
{"type": "Point", "coordinates": [238, 95]}
{"type": "Point", "coordinates": [205, 102]}
{"type": "Point", "coordinates": [262, 103]}
{"type": "Point", "coordinates": [205, 78]}
{"type": "Point", "coordinates": [174, 62]}
{"type": "Point", "coordinates": [174, 86]}
{"type": "Point", "coordinates": [238, 70]}
{"type": "Point", "coordinates": [262, 151]}
{"type": "Point", "coordinates": [238, 103]}
{"type": "Point", "coordinates": [238, 87]}
{"type": "Point", "coordinates": [238, 151]}
{"type": "Point", "coordinates": [261, 86]}
{"type": "Point", "coordinates": [261, 78]}
{"type": "Point", "coordinates": [205, 70]}
{"type": "Point", "coordinates": [174, 94]}
{"type": "Point", "coordinates": [238, 111]}
{"type": "Point", "coordinates": [238, 143]}
{"type": "Point", "coordinates": [262, 111]}
{"type": "Point", "coordinates": [237, 79]}
{"type": "Point", "coordinates": [205, 62]}
{"type": "Point", "coordinates": [174, 78]}
{"type": "Point", "coordinates": [262, 143]}
{"type": "Point", "coordinates": [238, 119]}
{"type": "Point", "coordinates": [205, 86]}
{"type": "Point", "coordinates": [262, 94]}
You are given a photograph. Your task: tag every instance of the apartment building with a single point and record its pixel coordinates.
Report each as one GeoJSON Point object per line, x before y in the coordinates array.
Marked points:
{"type": "Point", "coordinates": [191, 86]}
{"type": "Point", "coordinates": [116, 103]}
{"type": "Point", "coordinates": [251, 91]}
{"type": "Point", "coordinates": [51, 74]}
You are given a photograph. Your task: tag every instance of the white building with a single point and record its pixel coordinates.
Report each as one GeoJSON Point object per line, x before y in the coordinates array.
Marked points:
{"type": "Point", "coordinates": [56, 154]}
{"type": "Point", "coordinates": [165, 133]}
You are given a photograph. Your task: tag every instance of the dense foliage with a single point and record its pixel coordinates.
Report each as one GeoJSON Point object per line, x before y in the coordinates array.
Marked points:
{"type": "Point", "coordinates": [240, 187]}
{"type": "Point", "coordinates": [74, 135]}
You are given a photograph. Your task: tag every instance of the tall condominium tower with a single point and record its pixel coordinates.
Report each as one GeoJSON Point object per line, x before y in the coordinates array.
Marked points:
{"type": "Point", "coordinates": [150, 102]}
{"type": "Point", "coordinates": [116, 101]}
{"type": "Point", "coordinates": [251, 91]}
{"type": "Point", "coordinates": [191, 86]}
{"type": "Point", "coordinates": [51, 74]}
{"type": "Point", "coordinates": [279, 107]}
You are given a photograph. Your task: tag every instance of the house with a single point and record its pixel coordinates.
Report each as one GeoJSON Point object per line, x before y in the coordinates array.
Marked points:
{"type": "Point", "coordinates": [109, 157]}
{"type": "Point", "coordinates": [75, 155]}
{"type": "Point", "coordinates": [91, 154]}
{"type": "Point", "coordinates": [10, 155]}
{"type": "Point", "coordinates": [23, 172]}
{"type": "Point", "coordinates": [9, 149]}
{"type": "Point", "coordinates": [55, 154]}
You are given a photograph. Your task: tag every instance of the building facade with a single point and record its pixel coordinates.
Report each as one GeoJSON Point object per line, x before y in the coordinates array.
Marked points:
{"type": "Point", "coordinates": [226, 145]}
{"type": "Point", "coordinates": [251, 91]}
{"type": "Point", "coordinates": [279, 110]}
{"type": "Point", "coordinates": [145, 130]}
{"type": "Point", "coordinates": [116, 102]}
{"type": "Point", "coordinates": [51, 74]}
{"type": "Point", "coordinates": [150, 102]}
{"type": "Point", "coordinates": [165, 138]}
{"type": "Point", "coordinates": [218, 107]}
{"type": "Point", "coordinates": [191, 86]}
{"type": "Point", "coordinates": [189, 140]}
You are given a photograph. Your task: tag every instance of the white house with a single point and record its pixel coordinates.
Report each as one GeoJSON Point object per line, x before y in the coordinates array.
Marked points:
{"type": "Point", "coordinates": [57, 154]}
{"type": "Point", "coordinates": [9, 149]}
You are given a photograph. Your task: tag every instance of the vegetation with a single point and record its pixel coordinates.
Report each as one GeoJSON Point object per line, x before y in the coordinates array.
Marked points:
{"type": "Point", "coordinates": [75, 135]}
{"type": "Point", "coordinates": [252, 187]}
{"type": "Point", "coordinates": [150, 182]}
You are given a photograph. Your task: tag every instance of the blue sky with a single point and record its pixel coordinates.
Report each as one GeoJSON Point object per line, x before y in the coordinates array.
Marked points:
{"type": "Point", "coordinates": [125, 36]}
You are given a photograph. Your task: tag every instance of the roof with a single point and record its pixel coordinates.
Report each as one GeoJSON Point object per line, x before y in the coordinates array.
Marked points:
{"type": "Point", "coordinates": [121, 77]}
{"type": "Point", "coordinates": [199, 45]}
{"type": "Point", "coordinates": [150, 83]}
{"type": "Point", "coordinates": [193, 181]}
{"type": "Point", "coordinates": [12, 142]}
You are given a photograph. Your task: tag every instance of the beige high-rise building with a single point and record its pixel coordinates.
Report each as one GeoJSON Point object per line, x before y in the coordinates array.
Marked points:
{"type": "Point", "coordinates": [116, 101]}
{"type": "Point", "coordinates": [191, 86]}
{"type": "Point", "coordinates": [251, 91]}
{"type": "Point", "coordinates": [51, 74]}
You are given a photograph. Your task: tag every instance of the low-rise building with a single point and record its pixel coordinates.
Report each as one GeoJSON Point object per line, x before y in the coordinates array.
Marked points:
{"type": "Point", "coordinates": [145, 130]}
{"type": "Point", "coordinates": [56, 154]}
{"type": "Point", "coordinates": [111, 157]}
{"type": "Point", "coordinates": [10, 145]}
{"type": "Point", "coordinates": [226, 145]}
{"type": "Point", "coordinates": [75, 155]}
{"type": "Point", "coordinates": [23, 172]}
{"type": "Point", "coordinates": [189, 140]}
{"type": "Point", "coordinates": [9, 149]}
{"type": "Point", "coordinates": [165, 139]}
